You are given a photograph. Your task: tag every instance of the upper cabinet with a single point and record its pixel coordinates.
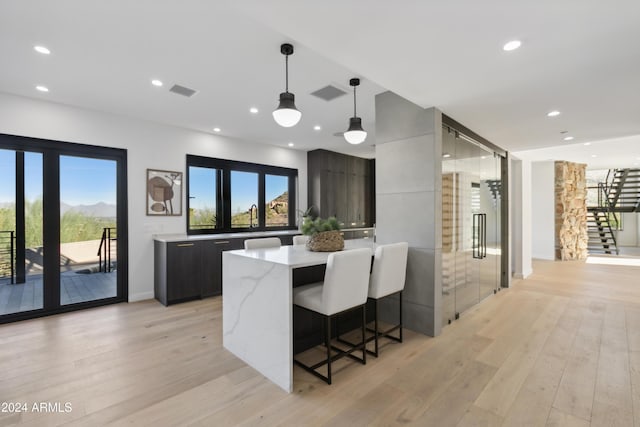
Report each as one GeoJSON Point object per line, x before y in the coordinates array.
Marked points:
{"type": "Point", "coordinates": [342, 186]}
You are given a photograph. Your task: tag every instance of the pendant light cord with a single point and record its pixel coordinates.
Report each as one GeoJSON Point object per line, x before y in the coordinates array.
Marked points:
{"type": "Point", "coordinates": [354, 101]}
{"type": "Point", "coordinates": [286, 73]}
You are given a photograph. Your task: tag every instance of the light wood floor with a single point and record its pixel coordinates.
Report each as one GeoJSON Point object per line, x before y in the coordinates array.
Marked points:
{"type": "Point", "coordinates": [560, 349]}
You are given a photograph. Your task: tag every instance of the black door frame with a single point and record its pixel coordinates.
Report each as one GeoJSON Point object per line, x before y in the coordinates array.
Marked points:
{"type": "Point", "coordinates": [51, 151]}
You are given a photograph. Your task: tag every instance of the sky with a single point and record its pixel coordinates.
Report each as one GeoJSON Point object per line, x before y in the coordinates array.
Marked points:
{"type": "Point", "coordinates": [244, 188]}
{"type": "Point", "coordinates": [83, 181]}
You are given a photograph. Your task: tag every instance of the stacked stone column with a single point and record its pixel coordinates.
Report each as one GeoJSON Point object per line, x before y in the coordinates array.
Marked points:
{"type": "Point", "coordinates": [570, 211]}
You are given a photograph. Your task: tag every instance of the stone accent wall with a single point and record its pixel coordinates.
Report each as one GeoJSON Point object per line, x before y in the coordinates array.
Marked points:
{"type": "Point", "coordinates": [571, 211]}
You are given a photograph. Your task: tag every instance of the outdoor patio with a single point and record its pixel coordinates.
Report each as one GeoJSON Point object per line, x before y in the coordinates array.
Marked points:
{"type": "Point", "coordinates": [75, 288]}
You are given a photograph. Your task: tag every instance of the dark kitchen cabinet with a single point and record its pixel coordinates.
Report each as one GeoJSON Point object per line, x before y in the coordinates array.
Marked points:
{"type": "Point", "coordinates": [212, 264]}
{"type": "Point", "coordinates": [178, 271]}
{"type": "Point", "coordinates": [342, 186]}
{"type": "Point", "coordinates": [192, 269]}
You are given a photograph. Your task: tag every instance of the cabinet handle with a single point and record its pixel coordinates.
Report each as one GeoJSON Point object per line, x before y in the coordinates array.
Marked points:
{"type": "Point", "coordinates": [183, 245]}
{"type": "Point", "coordinates": [221, 242]}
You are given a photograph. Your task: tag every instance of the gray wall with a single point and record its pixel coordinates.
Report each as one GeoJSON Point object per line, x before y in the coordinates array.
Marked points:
{"type": "Point", "coordinates": [409, 204]}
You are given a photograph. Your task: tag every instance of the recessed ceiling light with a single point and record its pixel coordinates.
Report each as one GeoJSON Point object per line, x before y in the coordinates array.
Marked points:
{"type": "Point", "coordinates": [568, 138]}
{"type": "Point", "coordinates": [156, 82]}
{"type": "Point", "coordinates": [553, 113]}
{"type": "Point", "coordinates": [593, 155]}
{"type": "Point", "coordinates": [587, 143]}
{"type": "Point", "coordinates": [253, 110]}
{"type": "Point", "coordinates": [317, 127]}
{"type": "Point", "coordinates": [446, 155]}
{"type": "Point", "coordinates": [41, 49]}
{"type": "Point", "coordinates": [512, 45]}
{"type": "Point", "coordinates": [216, 129]}
{"type": "Point", "coordinates": [290, 144]}
{"type": "Point", "coordinates": [42, 88]}
{"type": "Point", "coordinates": [483, 157]}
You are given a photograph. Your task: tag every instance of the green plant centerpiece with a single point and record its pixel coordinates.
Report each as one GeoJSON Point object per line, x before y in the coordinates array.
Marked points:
{"type": "Point", "coordinates": [324, 234]}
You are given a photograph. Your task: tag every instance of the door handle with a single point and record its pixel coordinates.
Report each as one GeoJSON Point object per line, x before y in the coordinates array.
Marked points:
{"type": "Point", "coordinates": [484, 235]}
{"type": "Point", "coordinates": [475, 236]}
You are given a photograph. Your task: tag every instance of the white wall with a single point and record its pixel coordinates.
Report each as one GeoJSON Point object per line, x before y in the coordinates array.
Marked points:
{"type": "Point", "coordinates": [149, 145]}
{"type": "Point", "coordinates": [630, 235]}
{"type": "Point", "coordinates": [520, 197]}
{"type": "Point", "coordinates": [543, 210]}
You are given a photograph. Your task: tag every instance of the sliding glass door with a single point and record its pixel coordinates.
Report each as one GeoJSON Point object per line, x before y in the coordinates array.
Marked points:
{"type": "Point", "coordinates": [471, 206]}
{"type": "Point", "coordinates": [88, 229]}
{"type": "Point", "coordinates": [21, 237]}
{"type": "Point", "coordinates": [62, 227]}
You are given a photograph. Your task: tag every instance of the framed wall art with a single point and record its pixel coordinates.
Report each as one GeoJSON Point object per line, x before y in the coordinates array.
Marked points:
{"type": "Point", "coordinates": [164, 193]}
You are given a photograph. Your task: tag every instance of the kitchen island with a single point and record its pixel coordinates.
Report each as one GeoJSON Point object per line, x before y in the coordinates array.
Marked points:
{"type": "Point", "coordinates": [257, 306]}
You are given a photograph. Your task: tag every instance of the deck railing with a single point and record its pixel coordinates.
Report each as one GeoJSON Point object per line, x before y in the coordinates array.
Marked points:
{"type": "Point", "coordinates": [8, 254]}
{"type": "Point", "coordinates": [109, 235]}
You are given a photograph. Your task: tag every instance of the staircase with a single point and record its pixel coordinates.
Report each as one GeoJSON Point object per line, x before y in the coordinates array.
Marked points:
{"type": "Point", "coordinates": [601, 238]}
{"type": "Point", "coordinates": [495, 187]}
{"type": "Point", "coordinates": [623, 190]}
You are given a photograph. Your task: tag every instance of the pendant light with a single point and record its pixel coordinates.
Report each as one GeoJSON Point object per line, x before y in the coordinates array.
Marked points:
{"type": "Point", "coordinates": [287, 115]}
{"type": "Point", "coordinates": [355, 134]}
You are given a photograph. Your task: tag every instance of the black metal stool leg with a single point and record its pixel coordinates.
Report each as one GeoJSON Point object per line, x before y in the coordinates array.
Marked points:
{"type": "Point", "coordinates": [400, 316]}
{"type": "Point", "coordinates": [328, 340]}
{"type": "Point", "coordinates": [364, 338]}
{"type": "Point", "coordinates": [375, 305]}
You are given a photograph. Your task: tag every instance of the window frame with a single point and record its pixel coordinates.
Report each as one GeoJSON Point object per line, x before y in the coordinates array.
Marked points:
{"type": "Point", "coordinates": [223, 193]}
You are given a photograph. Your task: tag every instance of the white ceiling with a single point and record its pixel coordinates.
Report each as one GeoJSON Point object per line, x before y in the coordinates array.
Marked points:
{"type": "Point", "coordinates": [606, 154]}
{"type": "Point", "coordinates": [581, 57]}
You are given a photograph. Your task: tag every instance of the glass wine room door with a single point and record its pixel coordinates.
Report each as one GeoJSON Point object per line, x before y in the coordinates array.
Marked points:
{"type": "Point", "coordinates": [471, 231]}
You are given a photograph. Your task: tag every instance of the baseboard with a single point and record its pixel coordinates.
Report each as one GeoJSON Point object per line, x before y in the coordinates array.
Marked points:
{"type": "Point", "coordinates": [521, 275]}
{"type": "Point", "coordinates": [140, 296]}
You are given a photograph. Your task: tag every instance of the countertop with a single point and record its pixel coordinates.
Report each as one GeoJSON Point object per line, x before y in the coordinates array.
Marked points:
{"type": "Point", "coordinates": [298, 255]}
{"type": "Point", "coordinates": [167, 238]}
{"type": "Point", "coordinates": [179, 237]}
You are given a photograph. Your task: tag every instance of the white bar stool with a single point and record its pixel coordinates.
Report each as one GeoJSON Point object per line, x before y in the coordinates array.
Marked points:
{"type": "Point", "coordinates": [387, 278]}
{"type": "Point", "coordinates": [300, 240]}
{"type": "Point", "coordinates": [267, 242]}
{"type": "Point", "coordinates": [344, 289]}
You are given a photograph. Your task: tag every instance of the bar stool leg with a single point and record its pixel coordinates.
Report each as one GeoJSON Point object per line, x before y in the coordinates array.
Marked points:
{"type": "Point", "coordinates": [375, 305]}
{"type": "Point", "coordinates": [328, 341]}
{"type": "Point", "coordinates": [400, 316]}
{"type": "Point", "coordinates": [364, 342]}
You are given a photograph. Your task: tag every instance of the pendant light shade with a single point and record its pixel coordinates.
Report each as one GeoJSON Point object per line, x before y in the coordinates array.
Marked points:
{"type": "Point", "coordinates": [287, 115]}
{"type": "Point", "coordinates": [355, 134]}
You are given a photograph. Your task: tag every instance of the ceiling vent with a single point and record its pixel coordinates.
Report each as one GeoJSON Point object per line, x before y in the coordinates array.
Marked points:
{"type": "Point", "coordinates": [181, 90]}
{"type": "Point", "coordinates": [329, 93]}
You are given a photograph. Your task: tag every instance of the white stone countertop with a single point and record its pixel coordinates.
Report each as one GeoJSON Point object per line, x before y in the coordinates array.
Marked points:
{"type": "Point", "coordinates": [298, 255]}
{"type": "Point", "coordinates": [180, 237]}
{"type": "Point", "coordinates": [185, 237]}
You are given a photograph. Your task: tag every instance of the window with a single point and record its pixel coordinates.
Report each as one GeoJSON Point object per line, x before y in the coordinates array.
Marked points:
{"type": "Point", "coordinates": [276, 189]}
{"type": "Point", "coordinates": [225, 195]}
{"type": "Point", "coordinates": [244, 199]}
{"type": "Point", "coordinates": [202, 198]}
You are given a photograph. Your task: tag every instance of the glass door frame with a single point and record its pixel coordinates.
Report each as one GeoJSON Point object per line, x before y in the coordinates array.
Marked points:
{"type": "Point", "coordinates": [503, 161]}
{"type": "Point", "coordinates": [51, 151]}
{"type": "Point", "coordinates": [500, 160]}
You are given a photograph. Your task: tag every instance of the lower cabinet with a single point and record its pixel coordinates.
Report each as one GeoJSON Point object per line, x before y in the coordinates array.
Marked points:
{"type": "Point", "coordinates": [192, 269]}
{"type": "Point", "coordinates": [212, 264]}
